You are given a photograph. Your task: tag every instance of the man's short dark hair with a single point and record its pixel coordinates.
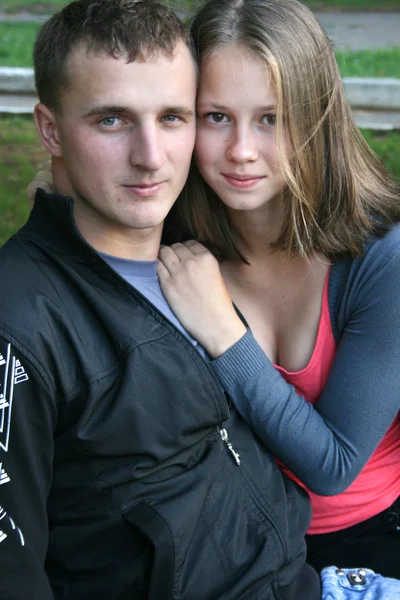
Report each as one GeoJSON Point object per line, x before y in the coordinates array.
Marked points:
{"type": "Point", "coordinates": [133, 29]}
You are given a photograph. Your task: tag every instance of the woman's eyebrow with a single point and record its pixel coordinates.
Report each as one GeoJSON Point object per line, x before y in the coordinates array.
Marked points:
{"type": "Point", "coordinates": [222, 107]}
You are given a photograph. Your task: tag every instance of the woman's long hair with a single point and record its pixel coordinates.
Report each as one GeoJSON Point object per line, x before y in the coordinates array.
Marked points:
{"type": "Point", "coordinates": [337, 191]}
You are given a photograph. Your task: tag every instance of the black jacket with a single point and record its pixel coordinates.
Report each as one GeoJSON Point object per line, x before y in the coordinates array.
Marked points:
{"type": "Point", "coordinates": [116, 483]}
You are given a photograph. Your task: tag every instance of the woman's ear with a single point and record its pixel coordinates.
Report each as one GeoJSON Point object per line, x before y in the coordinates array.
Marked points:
{"type": "Point", "coordinates": [47, 127]}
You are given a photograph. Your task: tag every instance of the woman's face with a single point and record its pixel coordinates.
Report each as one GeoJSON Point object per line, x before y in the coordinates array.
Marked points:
{"type": "Point", "coordinates": [236, 135]}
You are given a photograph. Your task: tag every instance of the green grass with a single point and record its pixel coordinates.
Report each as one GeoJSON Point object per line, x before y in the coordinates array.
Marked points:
{"type": "Point", "coordinates": [16, 43]}
{"type": "Point", "coordinates": [49, 6]}
{"type": "Point", "coordinates": [387, 146]}
{"type": "Point", "coordinates": [384, 62]}
{"type": "Point", "coordinates": [32, 6]}
{"type": "Point", "coordinates": [22, 155]}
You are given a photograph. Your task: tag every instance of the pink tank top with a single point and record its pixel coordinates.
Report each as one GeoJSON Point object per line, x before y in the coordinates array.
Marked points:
{"type": "Point", "coordinates": [378, 484]}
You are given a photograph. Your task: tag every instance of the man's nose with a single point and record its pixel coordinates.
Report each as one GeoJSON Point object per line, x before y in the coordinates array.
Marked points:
{"type": "Point", "coordinates": [147, 150]}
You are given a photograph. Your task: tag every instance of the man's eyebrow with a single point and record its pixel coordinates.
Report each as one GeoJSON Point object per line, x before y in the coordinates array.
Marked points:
{"type": "Point", "coordinates": [178, 110]}
{"type": "Point", "coordinates": [105, 109]}
{"type": "Point", "coordinates": [124, 110]}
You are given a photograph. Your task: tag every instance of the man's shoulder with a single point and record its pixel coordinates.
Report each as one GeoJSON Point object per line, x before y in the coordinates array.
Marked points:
{"type": "Point", "coordinates": [23, 281]}
{"type": "Point", "coordinates": [19, 266]}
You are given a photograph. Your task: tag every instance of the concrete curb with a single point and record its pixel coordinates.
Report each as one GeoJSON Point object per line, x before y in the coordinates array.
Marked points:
{"type": "Point", "coordinates": [17, 80]}
{"type": "Point", "coordinates": [376, 93]}
{"type": "Point", "coordinates": [375, 101]}
{"type": "Point", "coordinates": [366, 93]}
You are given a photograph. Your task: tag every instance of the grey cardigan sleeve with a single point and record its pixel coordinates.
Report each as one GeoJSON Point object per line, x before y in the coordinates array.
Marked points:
{"type": "Point", "coordinates": [328, 444]}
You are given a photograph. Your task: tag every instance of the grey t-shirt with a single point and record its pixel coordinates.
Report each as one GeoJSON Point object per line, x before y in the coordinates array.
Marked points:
{"type": "Point", "coordinates": [142, 275]}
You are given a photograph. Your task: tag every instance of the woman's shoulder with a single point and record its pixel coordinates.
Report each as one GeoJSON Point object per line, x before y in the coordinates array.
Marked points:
{"type": "Point", "coordinates": [387, 243]}
{"type": "Point", "coordinates": [379, 249]}
{"type": "Point", "coordinates": [382, 252]}
{"type": "Point", "coordinates": [365, 278]}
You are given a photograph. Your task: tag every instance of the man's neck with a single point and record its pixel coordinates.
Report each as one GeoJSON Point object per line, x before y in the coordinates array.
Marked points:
{"type": "Point", "coordinates": [131, 244]}
{"type": "Point", "coordinates": [143, 244]}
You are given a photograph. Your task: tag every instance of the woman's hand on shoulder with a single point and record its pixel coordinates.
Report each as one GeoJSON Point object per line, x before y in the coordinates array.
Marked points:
{"type": "Point", "coordinates": [192, 284]}
{"type": "Point", "coordinates": [43, 179]}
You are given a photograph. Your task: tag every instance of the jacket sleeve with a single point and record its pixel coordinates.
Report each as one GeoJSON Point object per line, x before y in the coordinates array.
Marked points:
{"type": "Point", "coordinates": [328, 444]}
{"type": "Point", "coordinates": [27, 419]}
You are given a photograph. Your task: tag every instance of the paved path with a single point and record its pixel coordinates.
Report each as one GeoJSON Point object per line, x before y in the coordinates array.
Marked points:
{"type": "Point", "coordinates": [360, 31]}
{"type": "Point", "coordinates": [22, 104]}
{"type": "Point", "coordinates": [22, 16]}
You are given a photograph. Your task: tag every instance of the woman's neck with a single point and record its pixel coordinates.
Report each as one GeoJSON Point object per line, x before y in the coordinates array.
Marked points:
{"type": "Point", "coordinates": [257, 230]}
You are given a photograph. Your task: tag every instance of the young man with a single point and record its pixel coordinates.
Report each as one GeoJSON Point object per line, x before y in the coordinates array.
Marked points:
{"type": "Point", "coordinates": [117, 477]}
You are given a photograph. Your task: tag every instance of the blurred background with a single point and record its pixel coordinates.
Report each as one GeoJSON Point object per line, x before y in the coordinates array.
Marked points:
{"type": "Point", "coordinates": [366, 35]}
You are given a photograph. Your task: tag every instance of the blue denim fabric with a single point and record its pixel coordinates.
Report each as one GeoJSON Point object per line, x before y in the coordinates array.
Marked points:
{"type": "Point", "coordinates": [357, 584]}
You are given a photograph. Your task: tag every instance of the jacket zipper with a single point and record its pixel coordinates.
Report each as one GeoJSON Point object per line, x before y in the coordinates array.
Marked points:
{"type": "Point", "coordinates": [225, 438]}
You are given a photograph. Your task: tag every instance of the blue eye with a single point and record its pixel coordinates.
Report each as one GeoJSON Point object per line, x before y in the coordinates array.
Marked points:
{"type": "Point", "coordinates": [110, 121]}
{"type": "Point", "coordinates": [216, 117]}
{"type": "Point", "coordinates": [171, 118]}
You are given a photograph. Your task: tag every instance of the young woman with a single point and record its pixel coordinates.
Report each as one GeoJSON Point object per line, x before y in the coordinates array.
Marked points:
{"type": "Point", "coordinates": [303, 220]}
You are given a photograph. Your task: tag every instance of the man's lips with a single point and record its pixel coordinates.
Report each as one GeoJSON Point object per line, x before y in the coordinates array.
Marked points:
{"type": "Point", "coordinates": [145, 189]}
{"type": "Point", "coordinates": [243, 182]}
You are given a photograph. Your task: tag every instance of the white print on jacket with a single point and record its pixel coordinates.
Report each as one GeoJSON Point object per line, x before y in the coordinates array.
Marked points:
{"type": "Point", "coordinates": [5, 522]}
{"type": "Point", "coordinates": [11, 374]}
{"type": "Point", "coordinates": [4, 478]}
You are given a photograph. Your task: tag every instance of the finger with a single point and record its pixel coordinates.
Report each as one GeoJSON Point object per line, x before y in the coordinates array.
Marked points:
{"type": "Point", "coordinates": [168, 258]}
{"type": "Point", "coordinates": [46, 176]}
{"type": "Point", "coordinates": [30, 193]}
{"type": "Point", "coordinates": [45, 186]}
{"type": "Point", "coordinates": [182, 251]}
{"type": "Point", "coordinates": [32, 188]}
{"type": "Point", "coordinates": [195, 247]}
{"type": "Point", "coordinates": [162, 272]}
{"type": "Point", "coordinates": [47, 166]}
{"type": "Point", "coordinates": [39, 182]}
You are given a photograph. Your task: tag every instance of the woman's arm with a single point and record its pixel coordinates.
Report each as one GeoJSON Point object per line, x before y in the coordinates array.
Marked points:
{"type": "Point", "coordinates": [327, 445]}
{"type": "Point", "coordinates": [192, 283]}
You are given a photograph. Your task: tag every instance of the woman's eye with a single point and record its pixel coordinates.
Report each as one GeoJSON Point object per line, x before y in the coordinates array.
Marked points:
{"type": "Point", "coordinates": [216, 117]}
{"type": "Point", "coordinates": [110, 121]}
{"type": "Point", "coordinates": [269, 119]}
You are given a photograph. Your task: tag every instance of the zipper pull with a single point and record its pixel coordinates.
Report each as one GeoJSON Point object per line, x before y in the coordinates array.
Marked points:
{"type": "Point", "coordinates": [225, 438]}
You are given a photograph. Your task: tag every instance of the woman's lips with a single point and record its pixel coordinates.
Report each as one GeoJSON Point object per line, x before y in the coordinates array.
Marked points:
{"type": "Point", "coordinates": [242, 182]}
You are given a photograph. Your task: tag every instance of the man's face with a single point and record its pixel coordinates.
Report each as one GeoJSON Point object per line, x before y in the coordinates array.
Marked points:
{"type": "Point", "coordinates": [126, 133]}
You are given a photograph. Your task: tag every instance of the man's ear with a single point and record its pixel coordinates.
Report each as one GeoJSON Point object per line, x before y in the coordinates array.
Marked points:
{"type": "Point", "coordinates": [47, 126]}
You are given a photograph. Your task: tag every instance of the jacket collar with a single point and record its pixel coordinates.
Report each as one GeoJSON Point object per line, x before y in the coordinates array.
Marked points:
{"type": "Point", "coordinates": [52, 224]}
